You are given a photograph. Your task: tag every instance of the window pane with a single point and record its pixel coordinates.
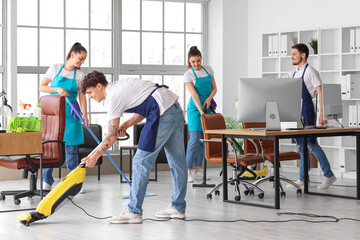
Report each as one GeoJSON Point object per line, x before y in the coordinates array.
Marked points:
{"type": "Point", "coordinates": [152, 15]}
{"type": "Point", "coordinates": [152, 48]}
{"type": "Point", "coordinates": [52, 13]}
{"type": "Point", "coordinates": [51, 46]}
{"type": "Point", "coordinates": [193, 17]}
{"type": "Point", "coordinates": [81, 36]}
{"type": "Point", "coordinates": [176, 85]}
{"type": "Point", "coordinates": [193, 40]}
{"type": "Point", "coordinates": [101, 49]}
{"type": "Point", "coordinates": [131, 14]}
{"type": "Point", "coordinates": [174, 49]}
{"type": "Point", "coordinates": [27, 50]}
{"type": "Point", "coordinates": [1, 8]}
{"type": "Point", "coordinates": [27, 88]}
{"type": "Point", "coordinates": [174, 16]}
{"type": "Point", "coordinates": [130, 48]}
{"type": "Point", "coordinates": [77, 13]}
{"type": "Point", "coordinates": [153, 78]}
{"type": "Point", "coordinates": [101, 14]}
{"type": "Point", "coordinates": [122, 76]}
{"type": "Point", "coordinates": [27, 12]}
{"type": "Point", "coordinates": [97, 107]}
{"type": "Point", "coordinates": [102, 120]}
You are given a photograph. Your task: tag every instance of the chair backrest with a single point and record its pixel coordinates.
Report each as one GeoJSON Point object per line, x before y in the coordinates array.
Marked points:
{"type": "Point", "coordinates": [249, 148]}
{"type": "Point", "coordinates": [53, 127]}
{"type": "Point", "coordinates": [89, 141]}
{"type": "Point", "coordinates": [211, 122]}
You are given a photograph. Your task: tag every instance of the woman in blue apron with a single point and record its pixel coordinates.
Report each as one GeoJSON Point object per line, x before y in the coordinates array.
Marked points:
{"type": "Point", "coordinates": [299, 56]}
{"type": "Point", "coordinates": [65, 81]}
{"type": "Point", "coordinates": [202, 87]}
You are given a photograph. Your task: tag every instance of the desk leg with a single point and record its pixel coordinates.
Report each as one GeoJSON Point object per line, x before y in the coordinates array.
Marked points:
{"type": "Point", "coordinates": [121, 160]}
{"type": "Point", "coordinates": [277, 174]}
{"type": "Point", "coordinates": [357, 166]}
{"type": "Point", "coordinates": [306, 166]}
{"type": "Point", "coordinates": [41, 176]}
{"type": "Point", "coordinates": [224, 163]}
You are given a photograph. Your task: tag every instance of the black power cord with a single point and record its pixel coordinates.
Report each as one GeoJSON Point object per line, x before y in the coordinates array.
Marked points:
{"type": "Point", "coordinates": [329, 219]}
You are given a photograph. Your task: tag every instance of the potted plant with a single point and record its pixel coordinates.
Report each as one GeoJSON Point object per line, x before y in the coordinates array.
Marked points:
{"type": "Point", "coordinates": [314, 44]}
{"type": "Point", "coordinates": [232, 123]}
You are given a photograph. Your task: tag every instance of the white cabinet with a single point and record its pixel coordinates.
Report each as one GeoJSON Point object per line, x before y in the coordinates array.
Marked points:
{"type": "Point", "coordinates": [338, 54]}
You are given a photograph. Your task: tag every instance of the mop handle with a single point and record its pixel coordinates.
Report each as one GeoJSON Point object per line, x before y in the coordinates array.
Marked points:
{"type": "Point", "coordinates": [96, 139]}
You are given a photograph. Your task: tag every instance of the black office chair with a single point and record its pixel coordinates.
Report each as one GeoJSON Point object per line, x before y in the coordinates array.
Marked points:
{"type": "Point", "coordinates": [89, 145]}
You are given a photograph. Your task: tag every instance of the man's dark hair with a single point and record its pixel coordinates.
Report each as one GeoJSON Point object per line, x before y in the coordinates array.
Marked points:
{"type": "Point", "coordinates": [302, 48]}
{"type": "Point", "coordinates": [92, 79]}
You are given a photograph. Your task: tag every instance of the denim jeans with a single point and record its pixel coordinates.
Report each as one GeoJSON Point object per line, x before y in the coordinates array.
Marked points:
{"type": "Point", "coordinates": [170, 135]}
{"type": "Point", "coordinates": [71, 153]}
{"type": "Point", "coordinates": [320, 156]}
{"type": "Point", "coordinates": [195, 149]}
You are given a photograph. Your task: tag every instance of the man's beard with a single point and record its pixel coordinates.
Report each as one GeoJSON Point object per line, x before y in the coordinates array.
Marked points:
{"type": "Point", "coordinates": [297, 63]}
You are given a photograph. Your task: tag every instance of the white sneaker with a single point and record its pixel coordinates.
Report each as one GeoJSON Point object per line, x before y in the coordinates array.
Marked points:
{"type": "Point", "coordinates": [327, 182]}
{"type": "Point", "coordinates": [82, 190]}
{"type": "Point", "coordinates": [170, 212]}
{"type": "Point", "coordinates": [126, 217]}
{"type": "Point", "coordinates": [190, 177]}
{"type": "Point", "coordinates": [46, 186]}
{"type": "Point", "coordinates": [199, 176]}
{"type": "Point", "coordinates": [299, 183]}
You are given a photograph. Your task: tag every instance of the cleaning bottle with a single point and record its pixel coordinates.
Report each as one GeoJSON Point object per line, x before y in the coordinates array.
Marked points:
{"type": "Point", "coordinates": [37, 111]}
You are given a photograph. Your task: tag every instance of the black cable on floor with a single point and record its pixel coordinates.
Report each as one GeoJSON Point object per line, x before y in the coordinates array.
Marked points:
{"type": "Point", "coordinates": [17, 210]}
{"type": "Point", "coordinates": [331, 219]}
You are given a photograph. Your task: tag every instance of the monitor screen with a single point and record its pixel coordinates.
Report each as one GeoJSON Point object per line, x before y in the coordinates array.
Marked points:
{"type": "Point", "coordinates": [332, 102]}
{"type": "Point", "coordinates": [254, 93]}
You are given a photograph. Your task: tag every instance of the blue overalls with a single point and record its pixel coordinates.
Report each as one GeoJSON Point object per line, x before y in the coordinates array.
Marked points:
{"type": "Point", "coordinates": [73, 135]}
{"type": "Point", "coordinates": [150, 110]}
{"type": "Point", "coordinates": [195, 148]}
{"type": "Point", "coordinates": [307, 110]}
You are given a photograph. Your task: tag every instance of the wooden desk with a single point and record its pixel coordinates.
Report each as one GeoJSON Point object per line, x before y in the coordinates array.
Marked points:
{"type": "Point", "coordinates": [27, 143]}
{"type": "Point", "coordinates": [276, 136]}
{"type": "Point", "coordinates": [20, 143]}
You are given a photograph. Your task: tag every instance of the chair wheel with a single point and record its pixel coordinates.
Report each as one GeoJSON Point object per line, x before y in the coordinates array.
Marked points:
{"type": "Point", "coordinates": [283, 194]}
{"type": "Point", "coordinates": [217, 193]}
{"type": "Point", "coordinates": [237, 198]}
{"type": "Point", "coordinates": [247, 191]}
{"type": "Point", "coordinates": [17, 201]}
{"type": "Point", "coordinates": [2, 197]}
{"type": "Point", "coordinates": [261, 195]}
{"type": "Point", "coordinates": [209, 196]}
{"type": "Point", "coordinates": [252, 192]}
{"type": "Point", "coordinates": [298, 191]}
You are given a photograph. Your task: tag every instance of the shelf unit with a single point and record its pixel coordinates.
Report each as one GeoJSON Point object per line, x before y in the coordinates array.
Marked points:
{"type": "Point", "coordinates": [333, 60]}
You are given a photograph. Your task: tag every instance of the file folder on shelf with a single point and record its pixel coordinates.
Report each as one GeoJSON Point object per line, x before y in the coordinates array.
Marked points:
{"type": "Point", "coordinates": [352, 40]}
{"type": "Point", "coordinates": [357, 40]}
{"type": "Point", "coordinates": [275, 48]}
{"type": "Point", "coordinates": [270, 46]}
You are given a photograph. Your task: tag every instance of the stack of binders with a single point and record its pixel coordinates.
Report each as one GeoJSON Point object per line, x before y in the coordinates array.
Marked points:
{"type": "Point", "coordinates": [350, 86]}
{"type": "Point", "coordinates": [354, 115]}
{"type": "Point", "coordinates": [354, 40]}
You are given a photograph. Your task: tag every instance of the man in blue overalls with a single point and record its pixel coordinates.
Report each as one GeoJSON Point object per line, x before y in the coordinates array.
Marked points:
{"type": "Point", "coordinates": [311, 84]}
{"type": "Point", "coordinates": [164, 127]}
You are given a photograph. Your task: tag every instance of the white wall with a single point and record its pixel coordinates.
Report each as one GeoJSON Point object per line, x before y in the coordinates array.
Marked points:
{"type": "Point", "coordinates": [286, 15]}
{"type": "Point", "coordinates": [228, 27]}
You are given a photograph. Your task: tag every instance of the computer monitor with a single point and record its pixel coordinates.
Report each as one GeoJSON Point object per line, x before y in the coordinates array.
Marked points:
{"type": "Point", "coordinates": [270, 100]}
{"type": "Point", "coordinates": [332, 102]}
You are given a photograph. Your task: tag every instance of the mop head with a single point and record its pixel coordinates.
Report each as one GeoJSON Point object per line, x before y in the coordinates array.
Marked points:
{"type": "Point", "coordinates": [127, 196]}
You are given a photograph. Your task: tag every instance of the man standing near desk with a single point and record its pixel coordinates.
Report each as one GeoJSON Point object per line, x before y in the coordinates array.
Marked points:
{"type": "Point", "coordinates": [164, 127]}
{"type": "Point", "coordinates": [311, 85]}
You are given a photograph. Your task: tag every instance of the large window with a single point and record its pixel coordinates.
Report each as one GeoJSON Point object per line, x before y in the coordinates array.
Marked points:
{"type": "Point", "coordinates": [143, 38]}
{"type": "Point", "coordinates": [156, 36]}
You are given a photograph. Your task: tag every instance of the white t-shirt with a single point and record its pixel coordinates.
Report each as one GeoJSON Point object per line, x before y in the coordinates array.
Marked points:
{"type": "Point", "coordinates": [311, 78]}
{"type": "Point", "coordinates": [54, 69]}
{"type": "Point", "coordinates": [131, 92]}
{"type": "Point", "coordinates": [189, 75]}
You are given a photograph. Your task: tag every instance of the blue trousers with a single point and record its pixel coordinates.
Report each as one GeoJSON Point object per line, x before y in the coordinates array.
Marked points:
{"type": "Point", "coordinates": [195, 149]}
{"type": "Point", "coordinates": [170, 135]}
{"type": "Point", "coordinates": [320, 156]}
{"type": "Point", "coordinates": [71, 153]}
